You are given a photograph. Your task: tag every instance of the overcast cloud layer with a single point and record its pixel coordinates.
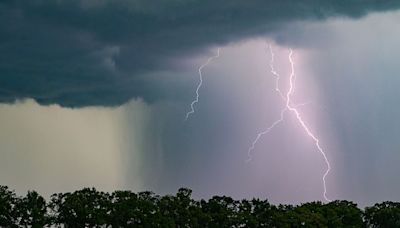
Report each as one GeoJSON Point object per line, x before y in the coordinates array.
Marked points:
{"type": "Point", "coordinates": [86, 52]}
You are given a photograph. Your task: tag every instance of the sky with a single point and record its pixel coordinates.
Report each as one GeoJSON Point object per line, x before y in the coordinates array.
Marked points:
{"type": "Point", "coordinates": [95, 93]}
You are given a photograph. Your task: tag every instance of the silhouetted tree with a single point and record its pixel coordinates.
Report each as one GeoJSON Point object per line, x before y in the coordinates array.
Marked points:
{"type": "Point", "coordinates": [263, 212]}
{"type": "Point", "coordinates": [148, 209]}
{"type": "Point", "coordinates": [308, 215]}
{"type": "Point", "coordinates": [8, 213]}
{"type": "Point", "coordinates": [222, 211]}
{"type": "Point", "coordinates": [342, 213]}
{"type": "Point", "coordinates": [32, 210]}
{"type": "Point", "coordinates": [124, 209]}
{"type": "Point", "coordinates": [91, 208]}
{"type": "Point", "coordinates": [83, 208]}
{"type": "Point", "coordinates": [386, 214]}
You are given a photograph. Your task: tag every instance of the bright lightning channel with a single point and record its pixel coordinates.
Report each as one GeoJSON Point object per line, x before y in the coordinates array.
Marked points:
{"type": "Point", "coordinates": [196, 100]}
{"type": "Point", "coordinates": [269, 129]}
{"type": "Point", "coordinates": [273, 71]}
{"type": "Point", "coordinates": [274, 124]}
{"type": "Point", "coordinates": [292, 108]}
{"type": "Point", "coordinates": [303, 124]}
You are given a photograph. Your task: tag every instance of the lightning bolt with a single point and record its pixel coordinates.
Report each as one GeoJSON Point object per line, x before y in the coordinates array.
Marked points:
{"type": "Point", "coordinates": [303, 124]}
{"type": "Point", "coordinates": [196, 100]}
{"type": "Point", "coordinates": [274, 124]}
{"type": "Point", "coordinates": [269, 129]}
{"type": "Point", "coordinates": [292, 108]}
{"type": "Point", "coordinates": [273, 71]}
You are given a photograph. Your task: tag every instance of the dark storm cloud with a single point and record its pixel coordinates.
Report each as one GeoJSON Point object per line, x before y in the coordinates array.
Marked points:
{"type": "Point", "coordinates": [87, 52]}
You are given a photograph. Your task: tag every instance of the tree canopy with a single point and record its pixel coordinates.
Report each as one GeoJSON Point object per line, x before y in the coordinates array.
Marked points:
{"type": "Point", "coordinates": [91, 208]}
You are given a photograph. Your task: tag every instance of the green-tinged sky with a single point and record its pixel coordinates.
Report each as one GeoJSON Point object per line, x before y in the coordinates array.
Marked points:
{"type": "Point", "coordinates": [95, 93]}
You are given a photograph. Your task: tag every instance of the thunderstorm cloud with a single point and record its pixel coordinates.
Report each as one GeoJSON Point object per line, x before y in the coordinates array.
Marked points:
{"type": "Point", "coordinates": [84, 52]}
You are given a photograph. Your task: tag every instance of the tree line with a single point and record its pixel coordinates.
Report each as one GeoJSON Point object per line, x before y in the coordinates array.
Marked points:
{"type": "Point", "coordinates": [91, 208]}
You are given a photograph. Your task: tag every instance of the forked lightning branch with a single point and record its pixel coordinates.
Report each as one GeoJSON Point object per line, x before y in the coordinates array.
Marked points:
{"type": "Point", "coordinates": [289, 107]}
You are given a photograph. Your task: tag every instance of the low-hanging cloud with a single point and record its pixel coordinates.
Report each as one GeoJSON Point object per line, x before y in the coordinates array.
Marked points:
{"type": "Point", "coordinates": [84, 52]}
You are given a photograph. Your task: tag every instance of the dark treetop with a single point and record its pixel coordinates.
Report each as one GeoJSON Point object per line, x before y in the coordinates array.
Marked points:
{"type": "Point", "coordinates": [91, 208]}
